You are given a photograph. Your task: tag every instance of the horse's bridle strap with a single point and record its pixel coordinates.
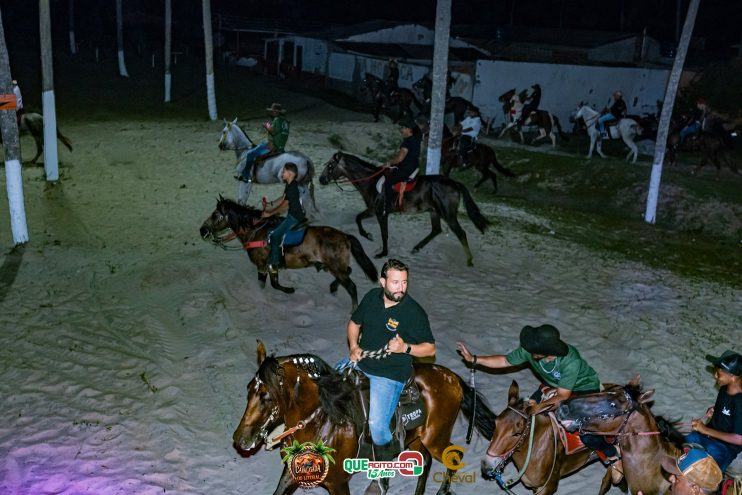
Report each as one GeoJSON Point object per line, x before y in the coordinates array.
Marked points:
{"type": "Point", "coordinates": [255, 244]}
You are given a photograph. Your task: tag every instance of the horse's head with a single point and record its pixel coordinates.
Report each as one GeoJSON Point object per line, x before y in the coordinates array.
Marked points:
{"type": "Point", "coordinates": [511, 432]}
{"type": "Point", "coordinates": [505, 97]}
{"type": "Point", "coordinates": [334, 169]}
{"type": "Point", "coordinates": [605, 411]}
{"type": "Point", "coordinates": [217, 222]}
{"type": "Point", "coordinates": [233, 137]}
{"type": "Point", "coordinates": [228, 214]}
{"type": "Point", "coordinates": [262, 413]}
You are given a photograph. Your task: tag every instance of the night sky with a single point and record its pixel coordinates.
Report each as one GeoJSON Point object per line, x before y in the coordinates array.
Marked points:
{"type": "Point", "coordinates": [718, 20]}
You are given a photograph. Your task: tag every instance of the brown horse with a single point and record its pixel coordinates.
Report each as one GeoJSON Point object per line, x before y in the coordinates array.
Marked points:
{"type": "Point", "coordinates": [382, 97]}
{"type": "Point", "coordinates": [481, 157]}
{"type": "Point", "coordinates": [304, 388]}
{"type": "Point", "coordinates": [547, 124]}
{"type": "Point", "coordinates": [532, 443]}
{"type": "Point", "coordinates": [714, 144]}
{"type": "Point", "coordinates": [324, 248]}
{"type": "Point", "coordinates": [33, 124]}
{"type": "Point", "coordinates": [644, 439]}
{"type": "Point", "coordinates": [440, 196]}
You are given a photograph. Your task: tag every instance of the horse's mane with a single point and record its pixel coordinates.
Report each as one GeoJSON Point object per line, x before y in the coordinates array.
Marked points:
{"type": "Point", "coordinates": [337, 396]}
{"type": "Point", "coordinates": [368, 165]}
{"type": "Point", "coordinates": [242, 214]}
{"type": "Point", "coordinates": [667, 427]}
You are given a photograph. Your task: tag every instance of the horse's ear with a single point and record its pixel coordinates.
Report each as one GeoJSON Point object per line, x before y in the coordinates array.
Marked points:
{"type": "Point", "coordinates": [636, 381]}
{"type": "Point", "coordinates": [261, 352]}
{"type": "Point", "coordinates": [220, 198]}
{"type": "Point", "coordinates": [513, 393]}
{"type": "Point", "coordinates": [669, 464]}
{"type": "Point", "coordinates": [234, 122]}
{"type": "Point", "coordinates": [646, 396]}
{"type": "Point", "coordinates": [225, 120]}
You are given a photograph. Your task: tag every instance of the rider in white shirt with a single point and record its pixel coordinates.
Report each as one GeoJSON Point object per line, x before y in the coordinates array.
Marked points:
{"type": "Point", "coordinates": [18, 101]}
{"type": "Point", "coordinates": [470, 127]}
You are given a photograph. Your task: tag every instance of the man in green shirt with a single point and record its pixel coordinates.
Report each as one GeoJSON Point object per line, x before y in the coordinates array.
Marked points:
{"type": "Point", "coordinates": [560, 368]}
{"type": "Point", "coordinates": [278, 134]}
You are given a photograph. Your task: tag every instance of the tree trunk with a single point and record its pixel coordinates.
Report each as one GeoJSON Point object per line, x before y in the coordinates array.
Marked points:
{"type": "Point", "coordinates": [168, 45]}
{"type": "Point", "coordinates": [209, 47]}
{"type": "Point", "coordinates": [120, 39]}
{"type": "Point", "coordinates": [667, 107]}
{"type": "Point", "coordinates": [440, 80]}
{"type": "Point", "coordinates": [71, 27]}
{"type": "Point", "coordinates": [51, 162]}
{"type": "Point", "coordinates": [12, 146]}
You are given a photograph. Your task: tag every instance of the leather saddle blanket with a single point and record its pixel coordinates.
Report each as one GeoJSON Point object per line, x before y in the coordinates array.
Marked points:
{"type": "Point", "coordinates": [408, 186]}
{"type": "Point", "coordinates": [571, 441]}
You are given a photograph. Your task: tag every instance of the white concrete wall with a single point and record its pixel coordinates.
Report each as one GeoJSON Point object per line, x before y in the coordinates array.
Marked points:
{"type": "Point", "coordinates": [314, 55]}
{"type": "Point", "coordinates": [341, 66]}
{"type": "Point", "coordinates": [564, 86]}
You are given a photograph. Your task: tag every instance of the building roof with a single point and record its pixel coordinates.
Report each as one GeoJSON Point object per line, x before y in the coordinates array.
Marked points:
{"type": "Point", "coordinates": [345, 31]}
{"type": "Point", "coordinates": [503, 35]}
{"type": "Point", "coordinates": [407, 51]}
{"type": "Point", "coordinates": [226, 22]}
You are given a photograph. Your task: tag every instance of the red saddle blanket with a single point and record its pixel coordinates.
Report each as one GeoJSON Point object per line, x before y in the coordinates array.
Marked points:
{"type": "Point", "coordinates": [408, 186]}
{"type": "Point", "coordinates": [571, 441]}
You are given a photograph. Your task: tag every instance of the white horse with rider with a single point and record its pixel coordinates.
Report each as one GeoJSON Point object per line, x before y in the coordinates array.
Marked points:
{"type": "Point", "coordinates": [270, 170]}
{"type": "Point", "coordinates": [625, 129]}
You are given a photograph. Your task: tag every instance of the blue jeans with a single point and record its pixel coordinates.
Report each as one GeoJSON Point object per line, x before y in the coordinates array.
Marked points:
{"type": "Point", "coordinates": [254, 152]}
{"type": "Point", "coordinates": [717, 449]}
{"type": "Point", "coordinates": [384, 397]}
{"type": "Point", "coordinates": [602, 120]}
{"type": "Point", "coordinates": [691, 128]}
{"type": "Point", "coordinates": [276, 238]}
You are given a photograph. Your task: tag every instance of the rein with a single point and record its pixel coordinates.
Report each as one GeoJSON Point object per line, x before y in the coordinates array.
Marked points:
{"type": "Point", "coordinates": [347, 180]}
{"type": "Point", "coordinates": [505, 485]}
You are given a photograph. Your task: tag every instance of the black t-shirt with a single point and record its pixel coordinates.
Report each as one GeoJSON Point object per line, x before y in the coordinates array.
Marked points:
{"type": "Point", "coordinates": [727, 416]}
{"type": "Point", "coordinates": [411, 161]}
{"type": "Point", "coordinates": [291, 193]}
{"type": "Point", "coordinates": [379, 324]}
{"type": "Point", "coordinates": [619, 109]}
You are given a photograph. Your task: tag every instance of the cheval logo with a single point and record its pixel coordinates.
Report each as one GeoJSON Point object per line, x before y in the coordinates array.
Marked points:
{"type": "Point", "coordinates": [392, 324]}
{"type": "Point", "coordinates": [409, 463]}
{"type": "Point", "coordinates": [452, 459]}
{"type": "Point", "coordinates": [308, 462]}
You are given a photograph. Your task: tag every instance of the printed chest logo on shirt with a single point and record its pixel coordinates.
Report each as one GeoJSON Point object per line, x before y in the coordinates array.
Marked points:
{"type": "Point", "coordinates": [392, 324]}
{"type": "Point", "coordinates": [726, 412]}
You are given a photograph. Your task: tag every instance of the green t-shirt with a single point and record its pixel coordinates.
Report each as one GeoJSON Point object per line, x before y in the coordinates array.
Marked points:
{"type": "Point", "coordinates": [570, 372]}
{"type": "Point", "coordinates": [379, 324]}
{"type": "Point", "coordinates": [279, 133]}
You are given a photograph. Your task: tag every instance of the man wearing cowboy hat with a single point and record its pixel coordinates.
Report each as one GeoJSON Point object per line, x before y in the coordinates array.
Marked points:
{"type": "Point", "coordinates": [278, 134]}
{"type": "Point", "coordinates": [562, 371]}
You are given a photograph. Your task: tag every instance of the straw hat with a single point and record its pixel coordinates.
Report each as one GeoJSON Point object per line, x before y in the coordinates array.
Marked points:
{"type": "Point", "coordinates": [277, 108]}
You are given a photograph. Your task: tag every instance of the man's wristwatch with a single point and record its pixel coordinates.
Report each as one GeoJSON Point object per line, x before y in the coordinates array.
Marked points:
{"type": "Point", "coordinates": [408, 350]}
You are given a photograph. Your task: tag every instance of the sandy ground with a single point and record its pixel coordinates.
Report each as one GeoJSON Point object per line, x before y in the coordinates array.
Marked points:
{"type": "Point", "coordinates": [127, 341]}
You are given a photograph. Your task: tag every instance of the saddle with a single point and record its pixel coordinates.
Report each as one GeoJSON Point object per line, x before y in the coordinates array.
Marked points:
{"type": "Point", "coordinates": [410, 412]}
{"type": "Point", "coordinates": [295, 236]}
{"type": "Point", "coordinates": [570, 441]}
{"type": "Point", "coordinates": [262, 158]}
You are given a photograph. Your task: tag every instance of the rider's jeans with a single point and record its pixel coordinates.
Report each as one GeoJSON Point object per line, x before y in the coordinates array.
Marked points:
{"type": "Point", "coordinates": [688, 130]}
{"type": "Point", "coordinates": [717, 449]}
{"type": "Point", "coordinates": [276, 238]}
{"type": "Point", "coordinates": [602, 120]}
{"type": "Point", "coordinates": [250, 156]}
{"type": "Point", "coordinates": [384, 397]}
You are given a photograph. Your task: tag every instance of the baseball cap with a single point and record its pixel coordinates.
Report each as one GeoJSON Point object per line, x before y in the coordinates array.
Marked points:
{"type": "Point", "coordinates": [729, 361]}
{"type": "Point", "coordinates": [700, 468]}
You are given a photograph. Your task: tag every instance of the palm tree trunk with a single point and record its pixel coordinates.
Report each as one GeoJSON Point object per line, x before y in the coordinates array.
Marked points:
{"type": "Point", "coordinates": [667, 107]}
{"type": "Point", "coordinates": [12, 146]}
{"type": "Point", "coordinates": [209, 47]}
{"type": "Point", "coordinates": [168, 44]}
{"type": "Point", "coordinates": [120, 38]}
{"type": "Point", "coordinates": [440, 80]}
{"type": "Point", "coordinates": [51, 162]}
{"type": "Point", "coordinates": [71, 27]}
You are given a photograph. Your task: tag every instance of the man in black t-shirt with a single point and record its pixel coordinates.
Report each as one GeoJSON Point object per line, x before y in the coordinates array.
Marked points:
{"type": "Point", "coordinates": [405, 164]}
{"type": "Point", "coordinates": [394, 328]}
{"type": "Point", "coordinates": [295, 214]}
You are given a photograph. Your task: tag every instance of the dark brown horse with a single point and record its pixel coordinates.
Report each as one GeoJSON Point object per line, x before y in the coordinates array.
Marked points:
{"type": "Point", "coordinates": [624, 413]}
{"type": "Point", "coordinates": [296, 388]}
{"type": "Point", "coordinates": [382, 97]}
{"type": "Point", "coordinates": [432, 193]}
{"type": "Point", "coordinates": [424, 86]}
{"type": "Point", "coordinates": [33, 124]}
{"type": "Point", "coordinates": [532, 444]}
{"type": "Point", "coordinates": [481, 157]}
{"type": "Point", "coordinates": [548, 125]}
{"type": "Point", "coordinates": [714, 145]}
{"type": "Point", "coordinates": [324, 248]}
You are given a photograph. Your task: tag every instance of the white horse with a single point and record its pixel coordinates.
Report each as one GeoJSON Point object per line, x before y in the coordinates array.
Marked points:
{"type": "Point", "coordinates": [626, 129]}
{"type": "Point", "coordinates": [269, 172]}
{"type": "Point", "coordinates": [516, 110]}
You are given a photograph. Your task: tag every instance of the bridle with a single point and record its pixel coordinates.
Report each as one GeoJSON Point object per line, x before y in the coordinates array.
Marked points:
{"type": "Point", "coordinates": [335, 161]}
{"type": "Point", "coordinates": [232, 146]}
{"type": "Point", "coordinates": [221, 240]}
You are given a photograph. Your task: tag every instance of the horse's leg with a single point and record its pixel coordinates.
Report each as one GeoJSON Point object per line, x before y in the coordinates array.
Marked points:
{"type": "Point", "coordinates": [592, 146]}
{"type": "Point", "coordinates": [605, 483]}
{"type": "Point", "coordinates": [435, 229]}
{"type": "Point", "coordinates": [453, 224]}
{"type": "Point", "coordinates": [506, 129]}
{"type": "Point", "coordinates": [359, 219]}
{"type": "Point", "coordinates": [493, 176]}
{"type": "Point", "coordinates": [384, 225]}
{"type": "Point", "coordinates": [633, 149]}
{"type": "Point", "coordinates": [553, 139]}
{"type": "Point", "coordinates": [262, 277]}
{"type": "Point", "coordinates": [485, 176]}
{"type": "Point", "coordinates": [599, 148]}
{"type": "Point", "coordinates": [427, 463]}
{"type": "Point", "coordinates": [287, 484]}
{"type": "Point", "coordinates": [276, 285]}
{"type": "Point", "coordinates": [342, 276]}
{"type": "Point", "coordinates": [39, 147]}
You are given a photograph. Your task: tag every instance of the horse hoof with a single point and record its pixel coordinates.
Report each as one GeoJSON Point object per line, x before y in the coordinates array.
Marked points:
{"type": "Point", "coordinates": [368, 236]}
{"type": "Point", "coordinates": [288, 290]}
{"type": "Point", "coordinates": [415, 250]}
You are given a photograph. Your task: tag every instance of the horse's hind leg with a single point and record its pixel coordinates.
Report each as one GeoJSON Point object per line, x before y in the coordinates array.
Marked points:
{"type": "Point", "coordinates": [493, 176]}
{"type": "Point", "coordinates": [454, 225]}
{"type": "Point", "coordinates": [485, 176]}
{"type": "Point", "coordinates": [39, 148]}
{"type": "Point", "coordinates": [262, 277]}
{"type": "Point", "coordinates": [435, 224]}
{"type": "Point", "coordinates": [276, 285]}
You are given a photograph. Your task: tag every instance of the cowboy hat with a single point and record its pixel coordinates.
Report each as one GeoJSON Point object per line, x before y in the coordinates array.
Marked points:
{"type": "Point", "coordinates": [276, 107]}
{"type": "Point", "coordinates": [543, 340]}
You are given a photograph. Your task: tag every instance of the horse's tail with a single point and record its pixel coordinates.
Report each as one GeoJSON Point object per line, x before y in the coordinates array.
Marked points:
{"type": "Point", "coordinates": [562, 135]}
{"type": "Point", "coordinates": [471, 208]}
{"type": "Point", "coordinates": [64, 140]}
{"type": "Point", "coordinates": [362, 258]}
{"type": "Point", "coordinates": [309, 182]}
{"type": "Point", "coordinates": [475, 408]}
{"type": "Point", "coordinates": [501, 168]}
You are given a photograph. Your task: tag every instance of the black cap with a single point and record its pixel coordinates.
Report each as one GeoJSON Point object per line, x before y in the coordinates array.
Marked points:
{"type": "Point", "coordinates": [408, 122]}
{"type": "Point", "coordinates": [729, 361]}
{"type": "Point", "coordinates": [543, 340]}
